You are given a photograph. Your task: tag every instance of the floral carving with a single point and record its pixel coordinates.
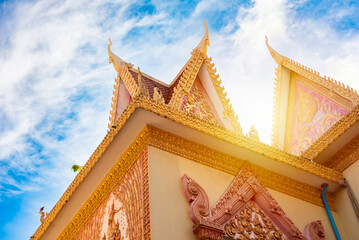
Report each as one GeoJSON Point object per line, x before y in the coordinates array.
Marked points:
{"type": "Point", "coordinates": [315, 231]}
{"type": "Point", "coordinates": [245, 211]}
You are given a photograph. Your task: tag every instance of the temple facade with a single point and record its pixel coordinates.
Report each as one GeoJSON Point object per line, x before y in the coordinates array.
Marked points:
{"type": "Point", "coordinates": [175, 163]}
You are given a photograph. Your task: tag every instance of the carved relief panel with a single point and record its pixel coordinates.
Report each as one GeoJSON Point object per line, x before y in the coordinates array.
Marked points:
{"type": "Point", "coordinates": [121, 214]}
{"type": "Point", "coordinates": [313, 114]}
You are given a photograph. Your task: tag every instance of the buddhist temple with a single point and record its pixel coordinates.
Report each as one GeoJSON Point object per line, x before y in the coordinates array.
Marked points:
{"type": "Point", "coordinates": [175, 163]}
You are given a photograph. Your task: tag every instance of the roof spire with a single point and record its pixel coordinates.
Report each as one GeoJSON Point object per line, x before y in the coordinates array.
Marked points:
{"type": "Point", "coordinates": [276, 56]}
{"type": "Point", "coordinates": [202, 46]}
{"type": "Point", "coordinates": [142, 89]}
{"type": "Point", "coordinates": [116, 61]}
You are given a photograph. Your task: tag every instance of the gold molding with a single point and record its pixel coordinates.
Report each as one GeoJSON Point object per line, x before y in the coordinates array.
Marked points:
{"type": "Point", "coordinates": [345, 157]}
{"type": "Point", "coordinates": [276, 106]}
{"type": "Point", "coordinates": [228, 109]}
{"type": "Point", "coordinates": [229, 164]}
{"type": "Point", "coordinates": [187, 79]}
{"type": "Point", "coordinates": [115, 92]}
{"type": "Point", "coordinates": [332, 134]}
{"type": "Point", "coordinates": [290, 113]}
{"type": "Point", "coordinates": [192, 122]}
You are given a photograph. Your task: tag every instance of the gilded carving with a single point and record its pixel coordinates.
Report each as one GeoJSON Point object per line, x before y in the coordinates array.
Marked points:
{"type": "Point", "coordinates": [245, 211]}
{"type": "Point", "coordinates": [157, 95]}
{"type": "Point", "coordinates": [314, 231]}
{"type": "Point", "coordinates": [43, 214]}
{"type": "Point", "coordinates": [253, 133]}
{"type": "Point", "coordinates": [345, 157]}
{"type": "Point", "coordinates": [228, 109]}
{"type": "Point", "coordinates": [252, 222]}
{"type": "Point", "coordinates": [142, 89]}
{"type": "Point", "coordinates": [194, 103]}
{"type": "Point", "coordinates": [276, 106]}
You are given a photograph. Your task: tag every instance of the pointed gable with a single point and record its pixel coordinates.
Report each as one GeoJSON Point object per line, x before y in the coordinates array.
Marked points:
{"type": "Point", "coordinates": [196, 89]}
{"type": "Point", "coordinates": [306, 105]}
{"type": "Point", "coordinates": [245, 209]}
{"type": "Point", "coordinates": [199, 70]}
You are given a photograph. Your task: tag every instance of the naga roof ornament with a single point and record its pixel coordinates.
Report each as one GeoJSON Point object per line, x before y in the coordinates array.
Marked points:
{"type": "Point", "coordinates": [276, 56]}
{"type": "Point", "coordinates": [116, 61]}
{"type": "Point", "coordinates": [202, 46]}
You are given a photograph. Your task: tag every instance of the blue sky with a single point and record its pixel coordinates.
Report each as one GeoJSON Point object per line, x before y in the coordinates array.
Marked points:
{"type": "Point", "coordinates": [56, 83]}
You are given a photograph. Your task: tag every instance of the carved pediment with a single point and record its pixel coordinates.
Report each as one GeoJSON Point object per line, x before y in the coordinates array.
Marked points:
{"type": "Point", "coordinates": [246, 210]}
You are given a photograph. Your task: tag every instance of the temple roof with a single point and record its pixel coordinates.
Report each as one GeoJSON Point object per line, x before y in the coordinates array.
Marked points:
{"type": "Point", "coordinates": [178, 91]}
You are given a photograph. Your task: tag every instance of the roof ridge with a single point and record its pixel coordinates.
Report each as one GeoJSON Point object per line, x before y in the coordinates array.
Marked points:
{"type": "Point", "coordinates": [331, 84]}
{"type": "Point", "coordinates": [222, 94]}
{"type": "Point", "coordinates": [187, 78]}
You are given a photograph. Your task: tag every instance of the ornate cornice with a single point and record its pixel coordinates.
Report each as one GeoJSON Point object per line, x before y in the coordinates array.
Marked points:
{"type": "Point", "coordinates": [229, 164]}
{"type": "Point", "coordinates": [276, 106]}
{"type": "Point", "coordinates": [222, 94]}
{"type": "Point", "coordinates": [345, 157]}
{"type": "Point", "coordinates": [238, 139]}
{"type": "Point", "coordinates": [195, 123]}
{"type": "Point", "coordinates": [332, 134]}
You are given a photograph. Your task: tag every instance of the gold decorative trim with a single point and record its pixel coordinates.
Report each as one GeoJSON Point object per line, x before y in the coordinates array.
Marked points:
{"type": "Point", "coordinates": [276, 106]}
{"type": "Point", "coordinates": [195, 123]}
{"type": "Point", "coordinates": [332, 134]}
{"type": "Point", "coordinates": [325, 92]}
{"type": "Point", "coordinates": [229, 164]}
{"type": "Point", "coordinates": [290, 114]}
{"type": "Point", "coordinates": [116, 88]}
{"type": "Point", "coordinates": [104, 189]}
{"type": "Point", "coordinates": [228, 109]}
{"type": "Point", "coordinates": [128, 80]}
{"type": "Point", "coordinates": [187, 79]}
{"type": "Point", "coordinates": [346, 156]}
{"type": "Point", "coordinates": [327, 82]}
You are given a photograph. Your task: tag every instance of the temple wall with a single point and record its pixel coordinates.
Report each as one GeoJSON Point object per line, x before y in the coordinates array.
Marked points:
{"type": "Point", "coordinates": [170, 208]}
{"type": "Point", "coordinates": [352, 176]}
{"type": "Point", "coordinates": [344, 206]}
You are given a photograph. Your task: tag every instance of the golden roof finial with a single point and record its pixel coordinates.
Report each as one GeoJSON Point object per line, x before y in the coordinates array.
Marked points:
{"type": "Point", "coordinates": [253, 133]}
{"type": "Point", "coordinates": [142, 89]}
{"type": "Point", "coordinates": [202, 46]}
{"type": "Point", "coordinates": [157, 95]}
{"type": "Point", "coordinates": [276, 56]}
{"type": "Point", "coordinates": [116, 61]}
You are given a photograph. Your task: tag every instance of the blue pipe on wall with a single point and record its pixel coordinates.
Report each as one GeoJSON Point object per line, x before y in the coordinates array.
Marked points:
{"type": "Point", "coordinates": [325, 188]}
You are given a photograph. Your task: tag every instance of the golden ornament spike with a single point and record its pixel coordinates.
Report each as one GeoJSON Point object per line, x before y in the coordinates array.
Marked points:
{"type": "Point", "coordinates": [202, 46]}
{"type": "Point", "coordinates": [115, 60]}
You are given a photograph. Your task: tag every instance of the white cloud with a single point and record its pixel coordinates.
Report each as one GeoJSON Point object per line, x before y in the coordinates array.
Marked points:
{"type": "Point", "coordinates": [57, 64]}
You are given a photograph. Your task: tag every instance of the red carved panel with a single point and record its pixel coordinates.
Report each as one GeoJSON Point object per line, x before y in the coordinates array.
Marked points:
{"type": "Point", "coordinates": [122, 214]}
{"type": "Point", "coordinates": [246, 210]}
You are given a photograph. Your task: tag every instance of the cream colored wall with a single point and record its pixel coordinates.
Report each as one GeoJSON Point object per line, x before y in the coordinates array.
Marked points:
{"type": "Point", "coordinates": [302, 213]}
{"type": "Point", "coordinates": [344, 206]}
{"type": "Point", "coordinates": [169, 206]}
{"type": "Point", "coordinates": [352, 176]}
